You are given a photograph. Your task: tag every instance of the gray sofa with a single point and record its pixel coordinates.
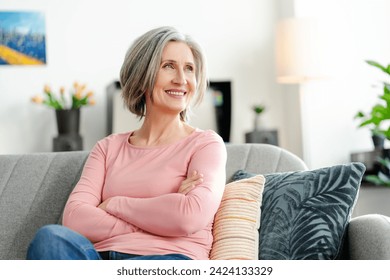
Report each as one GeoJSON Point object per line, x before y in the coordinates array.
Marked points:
{"type": "Point", "coordinates": [35, 187]}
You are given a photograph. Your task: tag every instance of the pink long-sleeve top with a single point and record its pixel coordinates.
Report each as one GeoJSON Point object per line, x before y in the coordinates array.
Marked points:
{"type": "Point", "coordinates": [146, 214]}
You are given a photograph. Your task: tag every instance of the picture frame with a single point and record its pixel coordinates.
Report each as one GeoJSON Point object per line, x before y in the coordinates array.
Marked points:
{"type": "Point", "coordinates": [22, 38]}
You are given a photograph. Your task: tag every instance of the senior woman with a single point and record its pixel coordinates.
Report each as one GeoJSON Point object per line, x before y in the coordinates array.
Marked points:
{"type": "Point", "coordinates": [150, 193]}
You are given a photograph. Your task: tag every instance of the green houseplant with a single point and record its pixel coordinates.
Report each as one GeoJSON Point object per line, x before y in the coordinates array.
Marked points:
{"type": "Point", "coordinates": [376, 120]}
{"type": "Point", "coordinates": [383, 176]}
{"type": "Point", "coordinates": [380, 112]}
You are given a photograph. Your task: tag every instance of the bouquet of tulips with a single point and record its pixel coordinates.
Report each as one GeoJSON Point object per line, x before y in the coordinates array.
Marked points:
{"type": "Point", "coordinates": [78, 97]}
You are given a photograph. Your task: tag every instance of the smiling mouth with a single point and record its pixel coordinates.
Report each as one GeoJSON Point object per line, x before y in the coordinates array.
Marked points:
{"type": "Point", "coordinates": [175, 93]}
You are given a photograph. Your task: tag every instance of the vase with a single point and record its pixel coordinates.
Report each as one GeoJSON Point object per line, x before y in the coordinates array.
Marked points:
{"type": "Point", "coordinates": [257, 125]}
{"type": "Point", "coordinates": [378, 141]}
{"type": "Point", "coordinates": [68, 121]}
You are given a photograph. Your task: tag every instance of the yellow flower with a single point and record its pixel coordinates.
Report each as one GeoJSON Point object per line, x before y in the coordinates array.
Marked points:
{"type": "Point", "coordinates": [58, 100]}
{"type": "Point", "coordinates": [82, 87]}
{"type": "Point", "coordinates": [37, 99]}
{"type": "Point", "coordinates": [92, 102]}
{"type": "Point", "coordinates": [47, 89]}
{"type": "Point", "coordinates": [78, 95]}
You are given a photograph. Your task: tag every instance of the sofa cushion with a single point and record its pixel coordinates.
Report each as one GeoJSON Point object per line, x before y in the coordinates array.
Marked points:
{"type": "Point", "coordinates": [237, 221]}
{"type": "Point", "coordinates": [305, 214]}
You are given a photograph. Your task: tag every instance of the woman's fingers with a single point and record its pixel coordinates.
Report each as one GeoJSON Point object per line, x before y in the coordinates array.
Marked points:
{"type": "Point", "coordinates": [187, 185]}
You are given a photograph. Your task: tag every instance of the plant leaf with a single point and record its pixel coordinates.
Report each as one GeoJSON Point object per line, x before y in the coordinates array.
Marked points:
{"type": "Point", "coordinates": [359, 114]}
{"type": "Point", "coordinates": [377, 65]}
{"type": "Point", "coordinates": [373, 179]}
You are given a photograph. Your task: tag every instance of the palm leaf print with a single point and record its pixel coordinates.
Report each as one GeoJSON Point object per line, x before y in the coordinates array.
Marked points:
{"type": "Point", "coordinates": [305, 214]}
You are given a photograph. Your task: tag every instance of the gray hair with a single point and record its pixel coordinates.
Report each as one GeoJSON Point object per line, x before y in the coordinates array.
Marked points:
{"type": "Point", "coordinates": [142, 62]}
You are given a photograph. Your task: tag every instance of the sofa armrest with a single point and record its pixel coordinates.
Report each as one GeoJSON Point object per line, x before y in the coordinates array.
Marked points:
{"type": "Point", "coordinates": [369, 237]}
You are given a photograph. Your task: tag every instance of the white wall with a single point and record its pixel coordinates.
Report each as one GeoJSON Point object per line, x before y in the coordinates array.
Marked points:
{"type": "Point", "coordinates": [87, 40]}
{"type": "Point", "coordinates": [355, 31]}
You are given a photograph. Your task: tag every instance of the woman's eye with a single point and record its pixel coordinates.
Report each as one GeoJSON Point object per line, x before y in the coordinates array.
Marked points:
{"type": "Point", "coordinates": [168, 66]}
{"type": "Point", "coordinates": [189, 68]}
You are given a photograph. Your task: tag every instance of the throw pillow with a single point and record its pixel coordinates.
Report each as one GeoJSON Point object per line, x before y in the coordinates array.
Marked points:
{"type": "Point", "coordinates": [237, 221]}
{"type": "Point", "coordinates": [305, 214]}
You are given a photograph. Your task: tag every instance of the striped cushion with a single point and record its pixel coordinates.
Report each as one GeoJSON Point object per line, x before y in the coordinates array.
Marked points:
{"type": "Point", "coordinates": [237, 221]}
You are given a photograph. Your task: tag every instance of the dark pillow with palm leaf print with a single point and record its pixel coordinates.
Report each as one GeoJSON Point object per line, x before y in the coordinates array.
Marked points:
{"type": "Point", "coordinates": [305, 214]}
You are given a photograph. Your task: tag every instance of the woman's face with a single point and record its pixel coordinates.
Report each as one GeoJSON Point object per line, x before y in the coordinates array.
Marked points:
{"type": "Point", "coordinates": [175, 82]}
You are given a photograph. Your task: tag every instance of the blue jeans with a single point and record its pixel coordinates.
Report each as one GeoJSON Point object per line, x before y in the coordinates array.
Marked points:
{"type": "Point", "coordinates": [56, 242]}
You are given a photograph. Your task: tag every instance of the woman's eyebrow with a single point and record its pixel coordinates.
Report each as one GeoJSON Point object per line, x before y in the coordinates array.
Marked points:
{"type": "Point", "coordinates": [175, 62]}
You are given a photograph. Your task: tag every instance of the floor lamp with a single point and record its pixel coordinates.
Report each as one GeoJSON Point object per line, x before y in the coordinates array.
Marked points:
{"type": "Point", "coordinates": [297, 62]}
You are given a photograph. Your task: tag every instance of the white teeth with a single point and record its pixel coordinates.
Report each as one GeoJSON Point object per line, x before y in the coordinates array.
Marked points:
{"type": "Point", "coordinates": [178, 93]}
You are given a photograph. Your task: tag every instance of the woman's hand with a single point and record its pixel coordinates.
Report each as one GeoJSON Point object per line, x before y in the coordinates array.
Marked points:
{"type": "Point", "coordinates": [103, 205]}
{"type": "Point", "coordinates": [191, 181]}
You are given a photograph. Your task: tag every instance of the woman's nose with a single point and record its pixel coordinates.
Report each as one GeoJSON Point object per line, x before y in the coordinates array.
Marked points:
{"type": "Point", "coordinates": [180, 78]}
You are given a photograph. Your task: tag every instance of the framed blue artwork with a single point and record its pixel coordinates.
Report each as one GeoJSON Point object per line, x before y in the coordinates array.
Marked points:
{"type": "Point", "coordinates": [22, 38]}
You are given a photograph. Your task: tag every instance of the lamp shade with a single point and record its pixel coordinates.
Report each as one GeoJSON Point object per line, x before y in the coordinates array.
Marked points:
{"type": "Point", "coordinates": [298, 50]}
